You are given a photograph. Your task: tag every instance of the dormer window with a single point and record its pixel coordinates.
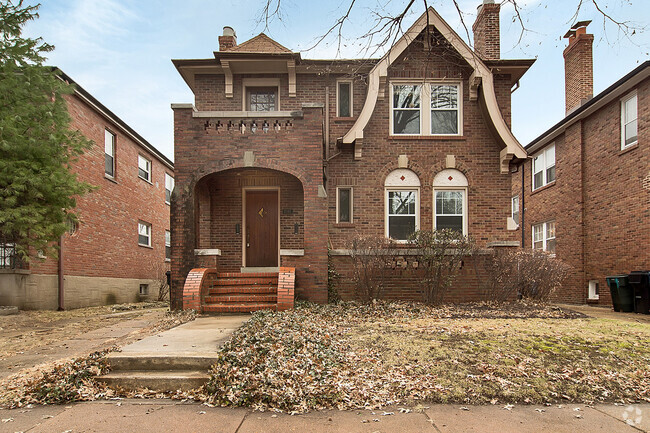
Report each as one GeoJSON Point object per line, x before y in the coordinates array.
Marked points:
{"type": "Point", "coordinates": [261, 98]}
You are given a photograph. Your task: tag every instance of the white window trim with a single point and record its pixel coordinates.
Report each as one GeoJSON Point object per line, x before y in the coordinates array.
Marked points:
{"type": "Point", "coordinates": [512, 209]}
{"type": "Point", "coordinates": [425, 106]}
{"type": "Point", "coordinates": [591, 290]}
{"type": "Point", "coordinates": [260, 82]}
{"type": "Point", "coordinates": [338, 112]}
{"type": "Point", "coordinates": [149, 237]}
{"type": "Point", "coordinates": [149, 165]}
{"type": "Point", "coordinates": [389, 189]}
{"type": "Point", "coordinates": [465, 213]}
{"type": "Point", "coordinates": [545, 237]}
{"type": "Point", "coordinates": [545, 169]}
{"type": "Point", "coordinates": [623, 119]}
{"type": "Point", "coordinates": [168, 244]}
{"type": "Point", "coordinates": [351, 204]}
{"type": "Point", "coordinates": [113, 145]}
{"type": "Point", "coordinates": [167, 175]}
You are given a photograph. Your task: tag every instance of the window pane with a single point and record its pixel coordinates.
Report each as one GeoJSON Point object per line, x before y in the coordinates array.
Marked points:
{"type": "Point", "coordinates": [550, 174]}
{"type": "Point", "coordinates": [444, 96]}
{"type": "Point", "coordinates": [344, 100]}
{"type": "Point", "coordinates": [449, 222]}
{"type": "Point", "coordinates": [630, 132]}
{"type": "Point", "coordinates": [538, 233]}
{"type": "Point", "coordinates": [550, 246]}
{"type": "Point", "coordinates": [550, 230]}
{"type": "Point", "coordinates": [449, 202]}
{"type": "Point", "coordinates": [444, 122]}
{"type": "Point", "coordinates": [550, 156]}
{"type": "Point", "coordinates": [406, 96]}
{"type": "Point", "coordinates": [344, 205]}
{"type": "Point", "coordinates": [401, 203]}
{"type": "Point", "coordinates": [538, 245]}
{"type": "Point", "coordinates": [401, 227]}
{"type": "Point", "coordinates": [109, 143]}
{"type": "Point", "coordinates": [108, 165]}
{"type": "Point", "coordinates": [261, 98]}
{"type": "Point", "coordinates": [406, 122]}
{"type": "Point", "coordinates": [630, 109]}
{"type": "Point", "coordinates": [144, 240]}
{"type": "Point", "coordinates": [539, 177]}
{"type": "Point", "coordinates": [538, 161]}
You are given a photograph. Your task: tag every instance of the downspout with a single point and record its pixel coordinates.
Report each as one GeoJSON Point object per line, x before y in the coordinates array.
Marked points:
{"type": "Point", "coordinates": [327, 122]}
{"type": "Point", "coordinates": [60, 271]}
{"type": "Point", "coordinates": [523, 206]}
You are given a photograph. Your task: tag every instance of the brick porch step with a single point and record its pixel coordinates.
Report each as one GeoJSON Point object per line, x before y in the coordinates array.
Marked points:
{"type": "Point", "coordinates": [245, 307]}
{"type": "Point", "coordinates": [240, 298]}
{"type": "Point", "coordinates": [246, 281]}
{"type": "Point", "coordinates": [243, 290]}
{"type": "Point", "coordinates": [247, 275]}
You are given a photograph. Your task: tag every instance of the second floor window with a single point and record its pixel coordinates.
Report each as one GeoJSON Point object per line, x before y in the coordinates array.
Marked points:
{"type": "Point", "coordinates": [430, 109]}
{"type": "Point", "coordinates": [168, 245]}
{"type": "Point", "coordinates": [169, 187]}
{"type": "Point", "coordinates": [109, 153]}
{"type": "Point", "coordinates": [144, 168]}
{"type": "Point", "coordinates": [261, 98]}
{"type": "Point", "coordinates": [515, 209]}
{"type": "Point", "coordinates": [144, 234]}
{"type": "Point", "coordinates": [629, 124]}
{"type": "Point", "coordinates": [544, 167]}
{"type": "Point", "coordinates": [344, 99]}
{"type": "Point", "coordinates": [344, 205]}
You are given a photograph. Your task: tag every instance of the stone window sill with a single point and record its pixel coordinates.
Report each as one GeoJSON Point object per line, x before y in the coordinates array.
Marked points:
{"type": "Point", "coordinates": [628, 149]}
{"type": "Point", "coordinates": [542, 188]}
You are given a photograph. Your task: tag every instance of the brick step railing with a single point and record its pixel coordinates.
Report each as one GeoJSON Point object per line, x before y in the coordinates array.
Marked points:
{"type": "Point", "coordinates": [232, 292]}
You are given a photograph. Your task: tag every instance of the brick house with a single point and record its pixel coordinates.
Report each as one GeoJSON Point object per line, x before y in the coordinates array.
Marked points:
{"type": "Point", "coordinates": [280, 158]}
{"type": "Point", "coordinates": [586, 188]}
{"type": "Point", "coordinates": [117, 253]}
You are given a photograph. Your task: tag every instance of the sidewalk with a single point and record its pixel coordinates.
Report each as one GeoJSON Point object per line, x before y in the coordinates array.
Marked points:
{"type": "Point", "coordinates": [164, 415]}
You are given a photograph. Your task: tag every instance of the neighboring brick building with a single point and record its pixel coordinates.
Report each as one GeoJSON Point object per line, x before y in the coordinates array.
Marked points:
{"type": "Point", "coordinates": [281, 157]}
{"type": "Point", "coordinates": [588, 197]}
{"type": "Point", "coordinates": [117, 252]}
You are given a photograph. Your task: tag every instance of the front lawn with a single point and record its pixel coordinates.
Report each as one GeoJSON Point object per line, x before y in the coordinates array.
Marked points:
{"type": "Point", "coordinates": [352, 356]}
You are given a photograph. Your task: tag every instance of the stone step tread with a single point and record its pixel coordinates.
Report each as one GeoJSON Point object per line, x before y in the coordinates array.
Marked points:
{"type": "Point", "coordinates": [266, 281]}
{"type": "Point", "coordinates": [246, 274]}
{"type": "Point", "coordinates": [156, 380]}
{"type": "Point", "coordinates": [245, 307]}
{"type": "Point", "coordinates": [263, 289]}
{"type": "Point", "coordinates": [125, 361]}
{"type": "Point", "coordinates": [240, 298]}
{"type": "Point", "coordinates": [157, 374]}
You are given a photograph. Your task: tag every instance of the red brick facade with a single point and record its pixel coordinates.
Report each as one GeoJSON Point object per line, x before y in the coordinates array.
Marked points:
{"type": "Point", "coordinates": [600, 199]}
{"type": "Point", "coordinates": [220, 149]}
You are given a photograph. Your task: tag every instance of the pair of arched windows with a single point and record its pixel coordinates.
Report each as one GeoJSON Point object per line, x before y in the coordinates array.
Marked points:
{"type": "Point", "coordinates": [402, 202]}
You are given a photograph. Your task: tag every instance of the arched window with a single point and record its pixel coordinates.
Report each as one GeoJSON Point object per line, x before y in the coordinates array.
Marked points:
{"type": "Point", "coordinates": [450, 201]}
{"type": "Point", "coordinates": [402, 197]}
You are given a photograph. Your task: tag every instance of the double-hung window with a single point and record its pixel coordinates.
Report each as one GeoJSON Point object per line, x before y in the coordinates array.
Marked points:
{"type": "Point", "coordinates": [168, 245]}
{"type": "Point", "coordinates": [144, 234]}
{"type": "Point", "coordinates": [450, 212]}
{"type": "Point", "coordinates": [544, 236]}
{"type": "Point", "coordinates": [629, 123]}
{"type": "Point", "coordinates": [169, 187]}
{"type": "Point", "coordinates": [344, 204]}
{"type": "Point", "coordinates": [109, 153]}
{"type": "Point", "coordinates": [544, 167]}
{"type": "Point", "coordinates": [515, 209]}
{"type": "Point", "coordinates": [426, 109]}
{"type": "Point", "coordinates": [144, 168]}
{"type": "Point", "coordinates": [402, 189]}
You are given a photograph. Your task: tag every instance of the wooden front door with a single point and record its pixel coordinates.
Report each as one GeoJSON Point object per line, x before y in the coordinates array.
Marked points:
{"type": "Point", "coordinates": [261, 237]}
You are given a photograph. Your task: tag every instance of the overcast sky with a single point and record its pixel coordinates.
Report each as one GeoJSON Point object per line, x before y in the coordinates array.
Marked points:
{"type": "Point", "coordinates": [120, 51]}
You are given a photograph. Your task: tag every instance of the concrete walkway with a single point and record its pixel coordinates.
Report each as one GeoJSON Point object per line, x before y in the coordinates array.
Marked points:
{"type": "Point", "coordinates": [164, 415]}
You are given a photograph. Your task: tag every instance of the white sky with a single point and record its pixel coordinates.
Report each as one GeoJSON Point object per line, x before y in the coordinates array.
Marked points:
{"type": "Point", "coordinates": [120, 51]}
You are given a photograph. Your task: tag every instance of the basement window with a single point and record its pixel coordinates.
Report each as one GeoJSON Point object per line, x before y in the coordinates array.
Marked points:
{"type": "Point", "coordinates": [144, 289]}
{"type": "Point", "coordinates": [593, 290]}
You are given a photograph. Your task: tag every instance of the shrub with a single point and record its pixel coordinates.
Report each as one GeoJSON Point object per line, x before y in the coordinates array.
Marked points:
{"type": "Point", "coordinates": [440, 256]}
{"type": "Point", "coordinates": [333, 278]}
{"type": "Point", "coordinates": [369, 263]}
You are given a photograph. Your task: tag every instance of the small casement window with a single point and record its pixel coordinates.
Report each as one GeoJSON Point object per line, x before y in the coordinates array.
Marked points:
{"type": "Point", "coordinates": [168, 245]}
{"type": "Point", "coordinates": [344, 204]}
{"type": "Point", "coordinates": [629, 124]}
{"type": "Point", "coordinates": [261, 98]}
{"type": "Point", "coordinates": [109, 153]}
{"type": "Point", "coordinates": [144, 289]}
{"type": "Point", "coordinates": [144, 168]}
{"type": "Point", "coordinates": [544, 167]}
{"type": "Point", "coordinates": [344, 99]}
{"type": "Point", "coordinates": [444, 109]}
{"type": "Point", "coordinates": [593, 289]}
{"type": "Point", "coordinates": [450, 201]}
{"type": "Point", "coordinates": [406, 109]}
{"type": "Point", "coordinates": [402, 198]}
{"type": "Point", "coordinates": [144, 234]}
{"type": "Point", "coordinates": [169, 188]}
{"type": "Point", "coordinates": [544, 237]}
{"type": "Point", "coordinates": [515, 209]}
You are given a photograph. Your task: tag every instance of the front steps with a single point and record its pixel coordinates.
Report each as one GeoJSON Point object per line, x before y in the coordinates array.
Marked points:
{"type": "Point", "coordinates": [237, 292]}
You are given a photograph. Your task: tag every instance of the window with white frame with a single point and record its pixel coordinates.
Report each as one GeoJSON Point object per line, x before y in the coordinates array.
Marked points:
{"type": "Point", "coordinates": [593, 289]}
{"type": "Point", "coordinates": [169, 188]}
{"type": "Point", "coordinates": [544, 236]}
{"type": "Point", "coordinates": [515, 209]}
{"type": "Point", "coordinates": [402, 189]}
{"type": "Point", "coordinates": [629, 123]}
{"type": "Point", "coordinates": [168, 245]}
{"type": "Point", "coordinates": [109, 153]}
{"type": "Point", "coordinates": [430, 109]}
{"type": "Point", "coordinates": [144, 234]}
{"type": "Point", "coordinates": [144, 168]}
{"type": "Point", "coordinates": [544, 167]}
{"type": "Point", "coordinates": [344, 204]}
{"type": "Point", "coordinates": [450, 201]}
{"type": "Point", "coordinates": [344, 98]}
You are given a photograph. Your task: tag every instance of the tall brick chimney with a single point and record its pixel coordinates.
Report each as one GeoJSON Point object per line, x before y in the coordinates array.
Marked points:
{"type": "Point", "coordinates": [578, 66]}
{"type": "Point", "coordinates": [228, 40]}
{"type": "Point", "coordinates": [487, 36]}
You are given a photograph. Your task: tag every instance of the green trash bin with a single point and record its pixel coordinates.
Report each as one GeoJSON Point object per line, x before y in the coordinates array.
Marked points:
{"type": "Point", "coordinates": [622, 293]}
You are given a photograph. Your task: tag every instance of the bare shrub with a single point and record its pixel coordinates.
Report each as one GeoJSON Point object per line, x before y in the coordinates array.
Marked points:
{"type": "Point", "coordinates": [369, 263]}
{"type": "Point", "coordinates": [440, 256]}
{"type": "Point", "coordinates": [530, 274]}
{"type": "Point", "coordinates": [158, 270]}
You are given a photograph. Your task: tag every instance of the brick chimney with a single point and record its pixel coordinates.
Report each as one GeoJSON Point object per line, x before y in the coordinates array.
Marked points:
{"type": "Point", "coordinates": [487, 36]}
{"type": "Point", "coordinates": [228, 40]}
{"type": "Point", "coordinates": [578, 66]}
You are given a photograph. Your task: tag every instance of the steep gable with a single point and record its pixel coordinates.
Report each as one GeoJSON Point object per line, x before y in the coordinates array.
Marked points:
{"type": "Point", "coordinates": [260, 44]}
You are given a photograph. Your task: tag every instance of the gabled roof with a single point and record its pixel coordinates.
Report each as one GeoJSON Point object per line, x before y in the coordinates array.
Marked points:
{"type": "Point", "coordinates": [260, 44]}
{"type": "Point", "coordinates": [613, 92]}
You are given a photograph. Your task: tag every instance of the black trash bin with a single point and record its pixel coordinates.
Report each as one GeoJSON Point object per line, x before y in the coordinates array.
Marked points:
{"type": "Point", "coordinates": [622, 294]}
{"type": "Point", "coordinates": [640, 283]}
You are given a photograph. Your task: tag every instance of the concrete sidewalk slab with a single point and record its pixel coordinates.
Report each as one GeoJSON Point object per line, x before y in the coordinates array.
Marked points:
{"type": "Point", "coordinates": [203, 335]}
{"type": "Point", "coordinates": [525, 419]}
{"type": "Point", "coordinates": [637, 415]}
